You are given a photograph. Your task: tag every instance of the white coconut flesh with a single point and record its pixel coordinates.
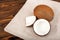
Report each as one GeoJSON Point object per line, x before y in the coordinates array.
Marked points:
{"type": "Point", "coordinates": [41, 27]}
{"type": "Point", "coordinates": [30, 20]}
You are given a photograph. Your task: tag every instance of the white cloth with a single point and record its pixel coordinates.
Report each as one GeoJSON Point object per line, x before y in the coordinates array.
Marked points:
{"type": "Point", "coordinates": [17, 25]}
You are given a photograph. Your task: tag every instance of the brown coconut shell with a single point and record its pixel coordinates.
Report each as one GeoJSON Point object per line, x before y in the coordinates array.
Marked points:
{"type": "Point", "coordinates": [44, 12]}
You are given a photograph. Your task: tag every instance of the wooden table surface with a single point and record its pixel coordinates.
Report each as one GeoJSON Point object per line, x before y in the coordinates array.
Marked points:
{"type": "Point", "coordinates": [8, 9]}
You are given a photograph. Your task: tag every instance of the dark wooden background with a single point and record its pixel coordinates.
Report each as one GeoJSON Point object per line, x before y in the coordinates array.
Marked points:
{"type": "Point", "coordinates": [8, 9]}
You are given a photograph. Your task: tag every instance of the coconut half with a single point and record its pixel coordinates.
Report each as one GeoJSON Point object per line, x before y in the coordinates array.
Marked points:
{"type": "Point", "coordinates": [30, 20]}
{"type": "Point", "coordinates": [41, 27]}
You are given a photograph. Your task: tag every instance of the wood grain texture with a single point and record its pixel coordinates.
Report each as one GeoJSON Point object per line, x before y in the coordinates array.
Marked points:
{"type": "Point", "coordinates": [57, 0]}
{"type": "Point", "coordinates": [8, 9]}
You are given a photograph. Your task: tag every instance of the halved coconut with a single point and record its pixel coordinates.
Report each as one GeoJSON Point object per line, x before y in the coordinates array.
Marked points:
{"type": "Point", "coordinates": [30, 20]}
{"type": "Point", "coordinates": [41, 27]}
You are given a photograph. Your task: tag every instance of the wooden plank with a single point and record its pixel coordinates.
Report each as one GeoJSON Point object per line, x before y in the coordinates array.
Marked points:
{"type": "Point", "coordinates": [8, 9]}
{"type": "Point", "coordinates": [57, 0]}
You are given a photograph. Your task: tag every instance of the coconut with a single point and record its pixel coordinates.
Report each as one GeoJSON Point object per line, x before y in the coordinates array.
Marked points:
{"type": "Point", "coordinates": [44, 12]}
{"type": "Point", "coordinates": [30, 20]}
{"type": "Point", "coordinates": [41, 27]}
